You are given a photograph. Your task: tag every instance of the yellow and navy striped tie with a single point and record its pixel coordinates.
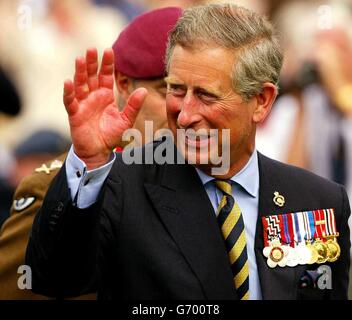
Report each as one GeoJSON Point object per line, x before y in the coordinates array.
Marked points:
{"type": "Point", "coordinates": [232, 228]}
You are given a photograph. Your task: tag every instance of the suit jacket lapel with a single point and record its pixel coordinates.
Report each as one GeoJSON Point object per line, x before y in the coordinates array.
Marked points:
{"type": "Point", "coordinates": [185, 209]}
{"type": "Point", "coordinates": [276, 283]}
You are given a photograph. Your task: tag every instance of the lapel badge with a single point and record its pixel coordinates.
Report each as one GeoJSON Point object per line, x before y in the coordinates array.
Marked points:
{"type": "Point", "coordinates": [278, 199]}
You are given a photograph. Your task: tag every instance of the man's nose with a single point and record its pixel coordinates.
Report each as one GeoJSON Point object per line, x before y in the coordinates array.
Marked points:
{"type": "Point", "coordinates": [188, 111]}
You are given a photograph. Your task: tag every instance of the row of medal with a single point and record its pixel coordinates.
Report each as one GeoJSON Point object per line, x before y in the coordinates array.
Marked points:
{"type": "Point", "coordinates": [300, 238]}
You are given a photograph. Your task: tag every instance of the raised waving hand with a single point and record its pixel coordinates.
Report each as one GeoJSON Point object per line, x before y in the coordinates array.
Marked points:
{"type": "Point", "coordinates": [96, 124]}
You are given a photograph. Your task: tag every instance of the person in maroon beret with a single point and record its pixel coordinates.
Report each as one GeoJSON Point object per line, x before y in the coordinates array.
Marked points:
{"type": "Point", "coordinates": [139, 53]}
{"type": "Point", "coordinates": [139, 62]}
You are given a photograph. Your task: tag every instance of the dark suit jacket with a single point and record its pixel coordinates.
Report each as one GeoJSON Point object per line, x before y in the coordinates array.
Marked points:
{"type": "Point", "coordinates": [153, 234]}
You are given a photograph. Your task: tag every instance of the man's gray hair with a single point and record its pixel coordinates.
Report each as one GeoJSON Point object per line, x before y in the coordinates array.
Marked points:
{"type": "Point", "coordinates": [257, 53]}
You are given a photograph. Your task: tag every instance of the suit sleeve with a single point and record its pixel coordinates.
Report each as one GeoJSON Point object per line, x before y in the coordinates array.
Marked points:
{"type": "Point", "coordinates": [340, 268]}
{"type": "Point", "coordinates": [63, 244]}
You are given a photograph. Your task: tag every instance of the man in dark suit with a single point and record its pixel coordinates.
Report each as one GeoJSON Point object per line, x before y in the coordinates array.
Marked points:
{"type": "Point", "coordinates": [252, 229]}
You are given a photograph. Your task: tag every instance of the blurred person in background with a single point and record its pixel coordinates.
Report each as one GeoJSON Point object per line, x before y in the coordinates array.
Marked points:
{"type": "Point", "coordinates": [30, 153]}
{"type": "Point", "coordinates": [307, 125]}
{"type": "Point", "coordinates": [139, 61]}
{"type": "Point", "coordinates": [311, 123]}
{"type": "Point", "coordinates": [37, 43]}
{"type": "Point", "coordinates": [38, 148]}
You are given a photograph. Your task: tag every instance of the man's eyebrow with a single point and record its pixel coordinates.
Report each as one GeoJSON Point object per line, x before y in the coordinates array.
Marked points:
{"type": "Point", "coordinates": [211, 91]}
{"type": "Point", "coordinates": [170, 80]}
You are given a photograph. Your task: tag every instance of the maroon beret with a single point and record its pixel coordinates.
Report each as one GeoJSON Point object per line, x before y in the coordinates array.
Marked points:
{"type": "Point", "coordinates": [140, 48]}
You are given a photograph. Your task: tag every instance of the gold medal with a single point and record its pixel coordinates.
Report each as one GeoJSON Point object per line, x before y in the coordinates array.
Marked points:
{"type": "Point", "coordinates": [322, 251]}
{"type": "Point", "coordinates": [334, 250]}
{"type": "Point", "coordinates": [314, 253]}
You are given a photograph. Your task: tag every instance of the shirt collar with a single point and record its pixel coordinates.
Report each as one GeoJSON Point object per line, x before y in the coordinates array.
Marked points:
{"type": "Point", "coordinates": [247, 178]}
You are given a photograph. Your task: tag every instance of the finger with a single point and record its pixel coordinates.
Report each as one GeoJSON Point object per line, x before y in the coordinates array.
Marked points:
{"type": "Point", "coordinates": [80, 80]}
{"type": "Point", "coordinates": [92, 68]}
{"type": "Point", "coordinates": [70, 101]}
{"type": "Point", "coordinates": [106, 72]}
{"type": "Point", "coordinates": [134, 104]}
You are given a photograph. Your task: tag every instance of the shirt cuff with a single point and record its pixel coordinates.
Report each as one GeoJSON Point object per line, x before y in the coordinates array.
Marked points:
{"type": "Point", "coordinates": [85, 185]}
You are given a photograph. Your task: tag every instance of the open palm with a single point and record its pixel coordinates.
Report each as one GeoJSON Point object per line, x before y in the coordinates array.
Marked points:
{"type": "Point", "coordinates": [96, 124]}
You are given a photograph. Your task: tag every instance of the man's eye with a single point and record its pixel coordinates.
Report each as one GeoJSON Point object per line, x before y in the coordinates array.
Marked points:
{"type": "Point", "coordinates": [206, 96]}
{"type": "Point", "coordinates": [176, 89]}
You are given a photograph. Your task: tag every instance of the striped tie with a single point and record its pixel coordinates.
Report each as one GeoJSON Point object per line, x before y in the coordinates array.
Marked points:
{"type": "Point", "coordinates": [232, 228]}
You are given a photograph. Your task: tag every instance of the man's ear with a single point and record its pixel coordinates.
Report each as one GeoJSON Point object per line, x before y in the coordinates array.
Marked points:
{"type": "Point", "coordinates": [264, 102]}
{"type": "Point", "coordinates": [124, 85]}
